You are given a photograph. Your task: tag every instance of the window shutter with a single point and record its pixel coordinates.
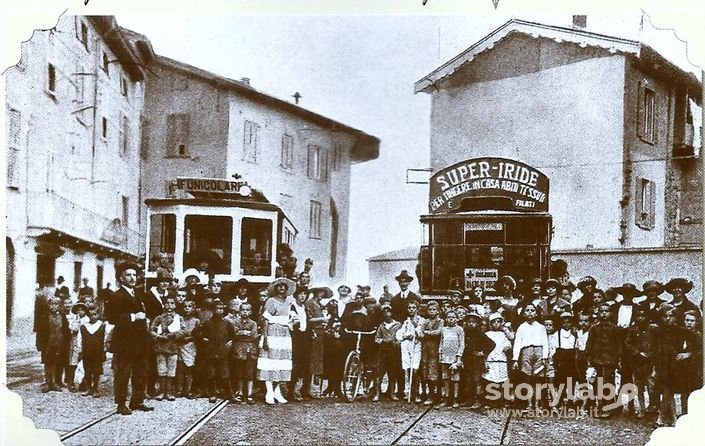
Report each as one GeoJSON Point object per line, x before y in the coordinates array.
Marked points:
{"type": "Point", "coordinates": [638, 208]}
{"type": "Point", "coordinates": [324, 166]}
{"type": "Point", "coordinates": [640, 110]}
{"type": "Point", "coordinates": [654, 123]}
{"type": "Point", "coordinates": [171, 137]}
{"type": "Point", "coordinates": [15, 128]}
{"type": "Point", "coordinates": [309, 167]}
{"type": "Point", "coordinates": [652, 204]}
{"type": "Point", "coordinates": [144, 138]}
{"type": "Point", "coordinates": [185, 134]}
{"type": "Point", "coordinates": [77, 27]}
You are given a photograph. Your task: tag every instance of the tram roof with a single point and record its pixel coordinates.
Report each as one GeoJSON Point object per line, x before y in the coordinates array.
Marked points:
{"type": "Point", "coordinates": [213, 202]}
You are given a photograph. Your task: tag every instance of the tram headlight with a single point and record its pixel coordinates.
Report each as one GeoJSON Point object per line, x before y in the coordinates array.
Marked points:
{"type": "Point", "coordinates": [245, 191]}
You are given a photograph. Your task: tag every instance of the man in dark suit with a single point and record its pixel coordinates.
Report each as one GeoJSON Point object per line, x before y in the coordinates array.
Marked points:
{"type": "Point", "coordinates": [131, 341]}
{"type": "Point", "coordinates": [400, 300]}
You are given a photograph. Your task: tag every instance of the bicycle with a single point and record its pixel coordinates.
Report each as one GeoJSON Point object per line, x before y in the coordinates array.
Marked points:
{"type": "Point", "coordinates": [353, 372]}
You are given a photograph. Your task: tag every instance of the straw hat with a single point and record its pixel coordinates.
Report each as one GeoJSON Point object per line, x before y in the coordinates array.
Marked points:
{"type": "Point", "coordinates": [290, 286]}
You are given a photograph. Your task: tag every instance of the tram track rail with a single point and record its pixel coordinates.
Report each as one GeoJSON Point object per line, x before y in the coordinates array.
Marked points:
{"type": "Point", "coordinates": [198, 424]}
{"type": "Point", "coordinates": [180, 439]}
{"type": "Point", "coordinates": [413, 423]}
{"type": "Point", "coordinates": [85, 427]}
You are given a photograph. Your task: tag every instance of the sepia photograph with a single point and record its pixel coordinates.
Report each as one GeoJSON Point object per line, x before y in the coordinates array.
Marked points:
{"type": "Point", "coordinates": [353, 228]}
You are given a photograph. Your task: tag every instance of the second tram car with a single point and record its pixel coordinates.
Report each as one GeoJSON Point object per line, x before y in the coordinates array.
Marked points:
{"type": "Point", "coordinates": [488, 218]}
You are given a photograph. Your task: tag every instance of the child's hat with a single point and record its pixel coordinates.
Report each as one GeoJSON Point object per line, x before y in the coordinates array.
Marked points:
{"type": "Point", "coordinates": [386, 307]}
{"type": "Point", "coordinates": [77, 306]}
{"type": "Point", "coordinates": [472, 312]}
{"type": "Point", "coordinates": [494, 316]}
{"type": "Point", "coordinates": [566, 314]}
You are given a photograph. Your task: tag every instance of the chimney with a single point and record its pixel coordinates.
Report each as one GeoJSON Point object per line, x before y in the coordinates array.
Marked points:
{"type": "Point", "coordinates": [580, 21]}
{"type": "Point", "coordinates": [245, 80]}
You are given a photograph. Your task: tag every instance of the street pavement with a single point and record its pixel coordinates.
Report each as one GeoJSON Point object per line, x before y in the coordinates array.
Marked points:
{"type": "Point", "coordinates": [320, 421]}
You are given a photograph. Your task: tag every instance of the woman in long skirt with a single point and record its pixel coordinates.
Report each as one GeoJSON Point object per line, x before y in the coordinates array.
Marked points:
{"type": "Point", "coordinates": [274, 362]}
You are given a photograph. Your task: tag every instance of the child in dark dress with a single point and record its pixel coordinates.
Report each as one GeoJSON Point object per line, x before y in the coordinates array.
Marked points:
{"type": "Point", "coordinates": [93, 350]}
{"type": "Point", "coordinates": [52, 335]}
{"type": "Point", "coordinates": [245, 353]}
{"type": "Point", "coordinates": [333, 351]}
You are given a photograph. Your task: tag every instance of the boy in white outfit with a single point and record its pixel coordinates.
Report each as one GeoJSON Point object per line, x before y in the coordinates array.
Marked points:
{"type": "Point", "coordinates": [409, 335]}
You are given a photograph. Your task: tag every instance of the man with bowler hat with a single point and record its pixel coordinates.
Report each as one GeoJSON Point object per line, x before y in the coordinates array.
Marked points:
{"type": "Point", "coordinates": [400, 300]}
{"type": "Point", "coordinates": [131, 341]}
{"type": "Point", "coordinates": [678, 288]}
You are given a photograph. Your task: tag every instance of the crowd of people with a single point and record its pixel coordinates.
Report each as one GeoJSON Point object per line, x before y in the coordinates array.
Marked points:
{"type": "Point", "coordinates": [278, 342]}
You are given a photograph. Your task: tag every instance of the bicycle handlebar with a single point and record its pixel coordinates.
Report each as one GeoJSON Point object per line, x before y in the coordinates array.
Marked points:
{"type": "Point", "coordinates": [355, 332]}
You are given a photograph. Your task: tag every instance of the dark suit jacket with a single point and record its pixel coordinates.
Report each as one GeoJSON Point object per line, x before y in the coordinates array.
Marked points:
{"type": "Point", "coordinates": [127, 336]}
{"type": "Point", "coordinates": [153, 306]}
{"type": "Point", "coordinates": [399, 305]}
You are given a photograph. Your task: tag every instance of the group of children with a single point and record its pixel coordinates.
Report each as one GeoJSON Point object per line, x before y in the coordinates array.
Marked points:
{"type": "Point", "coordinates": [654, 346]}
{"type": "Point", "coordinates": [68, 333]}
{"type": "Point", "coordinates": [447, 352]}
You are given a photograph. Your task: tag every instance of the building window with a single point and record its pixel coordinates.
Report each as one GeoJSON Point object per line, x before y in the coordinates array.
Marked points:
{"type": "Point", "coordinates": [250, 142]}
{"type": "Point", "coordinates": [14, 132]}
{"type": "Point", "coordinates": [287, 159]}
{"type": "Point", "coordinates": [645, 203]}
{"type": "Point", "coordinates": [289, 236]}
{"type": "Point", "coordinates": [125, 136]}
{"type": "Point", "coordinates": [144, 141]}
{"type": "Point", "coordinates": [337, 155]}
{"type": "Point", "coordinates": [82, 33]}
{"type": "Point", "coordinates": [104, 128]}
{"type": "Point", "coordinates": [106, 64]}
{"type": "Point", "coordinates": [646, 126]}
{"type": "Point", "coordinates": [125, 202]}
{"type": "Point", "coordinates": [178, 132]}
{"type": "Point", "coordinates": [51, 79]}
{"type": "Point", "coordinates": [317, 166]}
{"type": "Point", "coordinates": [315, 220]}
{"type": "Point", "coordinates": [123, 86]}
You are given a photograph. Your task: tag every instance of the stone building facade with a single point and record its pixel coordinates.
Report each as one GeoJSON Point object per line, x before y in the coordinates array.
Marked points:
{"type": "Point", "coordinates": [73, 106]}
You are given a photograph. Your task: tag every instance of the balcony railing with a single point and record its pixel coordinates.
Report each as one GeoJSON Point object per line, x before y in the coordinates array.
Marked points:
{"type": "Point", "coordinates": [47, 210]}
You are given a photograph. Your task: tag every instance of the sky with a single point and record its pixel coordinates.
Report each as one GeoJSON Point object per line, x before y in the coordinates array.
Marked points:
{"type": "Point", "coordinates": [360, 70]}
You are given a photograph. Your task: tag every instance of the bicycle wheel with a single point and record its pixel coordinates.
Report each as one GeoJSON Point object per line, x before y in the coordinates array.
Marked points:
{"type": "Point", "coordinates": [351, 376]}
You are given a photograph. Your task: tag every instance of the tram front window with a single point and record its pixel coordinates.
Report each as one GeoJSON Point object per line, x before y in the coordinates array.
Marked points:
{"type": "Point", "coordinates": [256, 247]}
{"type": "Point", "coordinates": [162, 241]}
{"type": "Point", "coordinates": [208, 241]}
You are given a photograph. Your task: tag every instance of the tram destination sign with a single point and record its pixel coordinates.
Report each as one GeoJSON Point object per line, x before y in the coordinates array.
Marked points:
{"type": "Point", "coordinates": [508, 184]}
{"type": "Point", "coordinates": [213, 186]}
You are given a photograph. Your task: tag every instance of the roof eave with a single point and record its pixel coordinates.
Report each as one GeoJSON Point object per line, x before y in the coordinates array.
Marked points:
{"type": "Point", "coordinates": [366, 146]}
{"type": "Point", "coordinates": [116, 41]}
{"type": "Point", "coordinates": [581, 37]}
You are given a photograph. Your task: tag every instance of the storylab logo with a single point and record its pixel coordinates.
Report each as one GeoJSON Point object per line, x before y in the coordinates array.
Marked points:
{"type": "Point", "coordinates": [553, 393]}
